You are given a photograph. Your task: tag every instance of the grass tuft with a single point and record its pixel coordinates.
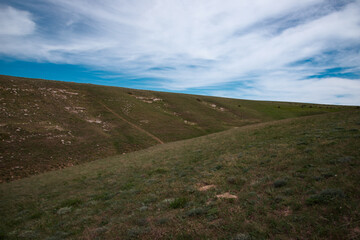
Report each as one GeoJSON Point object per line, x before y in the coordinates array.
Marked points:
{"type": "Point", "coordinates": [242, 236]}
{"type": "Point", "coordinates": [178, 203]}
{"type": "Point", "coordinates": [196, 212]}
{"type": "Point", "coordinates": [280, 183]}
{"type": "Point", "coordinates": [64, 210]}
{"type": "Point", "coordinates": [71, 203]}
{"type": "Point", "coordinates": [325, 196]}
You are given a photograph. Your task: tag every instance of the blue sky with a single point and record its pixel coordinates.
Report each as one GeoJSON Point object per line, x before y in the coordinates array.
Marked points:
{"type": "Point", "coordinates": [288, 50]}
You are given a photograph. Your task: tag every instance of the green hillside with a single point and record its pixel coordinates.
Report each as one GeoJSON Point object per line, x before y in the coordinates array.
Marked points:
{"type": "Point", "coordinates": [287, 179]}
{"type": "Point", "coordinates": [47, 125]}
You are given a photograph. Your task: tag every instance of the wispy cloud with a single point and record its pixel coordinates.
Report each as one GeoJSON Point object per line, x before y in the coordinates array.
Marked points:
{"type": "Point", "coordinates": [269, 51]}
{"type": "Point", "coordinates": [14, 22]}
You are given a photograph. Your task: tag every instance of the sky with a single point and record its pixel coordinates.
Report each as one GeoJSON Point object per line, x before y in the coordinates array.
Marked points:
{"type": "Point", "coordinates": [283, 50]}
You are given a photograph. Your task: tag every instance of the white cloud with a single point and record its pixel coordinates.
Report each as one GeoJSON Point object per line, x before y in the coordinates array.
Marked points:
{"type": "Point", "coordinates": [15, 22]}
{"type": "Point", "coordinates": [197, 44]}
{"type": "Point", "coordinates": [325, 90]}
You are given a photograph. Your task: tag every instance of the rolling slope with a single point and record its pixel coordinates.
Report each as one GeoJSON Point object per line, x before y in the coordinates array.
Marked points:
{"type": "Point", "coordinates": [47, 125]}
{"type": "Point", "coordinates": [286, 179]}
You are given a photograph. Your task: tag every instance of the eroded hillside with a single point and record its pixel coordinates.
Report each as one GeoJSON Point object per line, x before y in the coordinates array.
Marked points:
{"type": "Point", "coordinates": [47, 125]}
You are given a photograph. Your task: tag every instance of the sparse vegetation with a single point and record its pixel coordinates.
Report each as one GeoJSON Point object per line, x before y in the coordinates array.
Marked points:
{"type": "Point", "coordinates": [178, 203]}
{"type": "Point", "coordinates": [196, 212]}
{"type": "Point", "coordinates": [48, 125]}
{"type": "Point", "coordinates": [280, 183]}
{"type": "Point", "coordinates": [170, 191]}
{"type": "Point", "coordinates": [325, 196]}
{"type": "Point", "coordinates": [242, 236]}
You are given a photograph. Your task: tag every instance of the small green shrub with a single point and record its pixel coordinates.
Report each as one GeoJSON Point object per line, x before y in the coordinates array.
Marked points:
{"type": "Point", "coordinates": [308, 166]}
{"type": "Point", "coordinates": [288, 192]}
{"type": "Point", "coordinates": [236, 180]}
{"type": "Point", "coordinates": [71, 202]}
{"type": "Point", "coordinates": [218, 167]}
{"type": "Point", "coordinates": [127, 186]}
{"type": "Point", "coordinates": [28, 234]}
{"type": "Point", "coordinates": [212, 213]}
{"type": "Point", "coordinates": [58, 236]}
{"type": "Point", "coordinates": [133, 233]}
{"type": "Point", "coordinates": [327, 175]}
{"type": "Point", "coordinates": [242, 236]}
{"type": "Point", "coordinates": [143, 208]}
{"type": "Point", "coordinates": [231, 180]}
{"type": "Point", "coordinates": [100, 230]}
{"type": "Point", "coordinates": [184, 236]}
{"type": "Point", "coordinates": [3, 234]}
{"type": "Point", "coordinates": [103, 196]}
{"type": "Point", "coordinates": [140, 222]}
{"type": "Point", "coordinates": [280, 183]}
{"type": "Point", "coordinates": [178, 203]}
{"type": "Point", "coordinates": [36, 215]}
{"type": "Point", "coordinates": [159, 171]}
{"type": "Point", "coordinates": [345, 159]}
{"type": "Point", "coordinates": [64, 210]}
{"type": "Point", "coordinates": [196, 212]}
{"type": "Point", "coordinates": [325, 196]}
{"type": "Point", "coordinates": [162, 221]}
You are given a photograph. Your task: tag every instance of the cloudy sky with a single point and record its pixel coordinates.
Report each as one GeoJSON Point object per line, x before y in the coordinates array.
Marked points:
{"type": "Point", "coordinates": [285, 50]}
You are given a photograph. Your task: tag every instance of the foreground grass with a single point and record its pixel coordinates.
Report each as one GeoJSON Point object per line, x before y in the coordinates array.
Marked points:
{"type": "Point", "coordinates": [293, 179]}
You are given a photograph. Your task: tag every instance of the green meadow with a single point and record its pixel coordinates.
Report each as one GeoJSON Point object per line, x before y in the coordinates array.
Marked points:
{"type": "Point", "coordinates": [244, 170]}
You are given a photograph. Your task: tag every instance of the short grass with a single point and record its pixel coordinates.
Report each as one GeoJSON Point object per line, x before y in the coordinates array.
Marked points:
{"type": "Point", "coordinates": [293, 179]}
{"type": "Point", "coordinates": [47, 125]}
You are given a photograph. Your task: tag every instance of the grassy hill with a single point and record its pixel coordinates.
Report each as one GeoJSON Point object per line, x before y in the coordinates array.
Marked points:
{"type": "Point", "coordinates": [47, 125]}
{"type": "Point", "coordinates": [287, 179]}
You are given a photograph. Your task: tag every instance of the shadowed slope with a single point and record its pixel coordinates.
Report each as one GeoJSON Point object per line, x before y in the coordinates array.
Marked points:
{"type": "Point", "coordinates": [47, 125]}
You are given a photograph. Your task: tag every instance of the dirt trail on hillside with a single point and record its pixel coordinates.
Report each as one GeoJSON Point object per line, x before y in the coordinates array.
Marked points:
{"type": "Point", "coordinates": [132, 124]}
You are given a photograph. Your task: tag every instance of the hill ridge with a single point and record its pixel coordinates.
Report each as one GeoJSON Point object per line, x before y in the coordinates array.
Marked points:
{"type": "Point", "coordinates": [47, 125]}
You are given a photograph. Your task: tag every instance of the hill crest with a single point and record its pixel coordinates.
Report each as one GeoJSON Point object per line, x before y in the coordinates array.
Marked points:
{"type": "Point", "coordinates": [48, 125]}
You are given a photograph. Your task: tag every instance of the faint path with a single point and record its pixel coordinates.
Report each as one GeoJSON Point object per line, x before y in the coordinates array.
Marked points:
{"type": "Point", "coordinates": [132, 124]}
